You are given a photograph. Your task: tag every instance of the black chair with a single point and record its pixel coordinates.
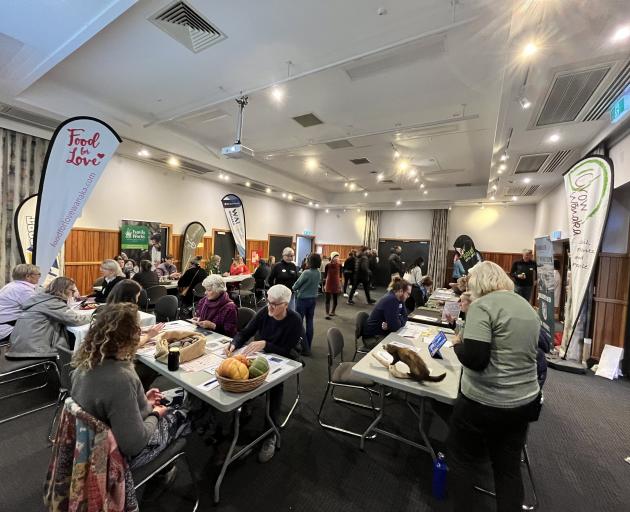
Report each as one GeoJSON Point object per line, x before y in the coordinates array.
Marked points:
{"type": "Point", "coordinates": [367, 342]}
{"type": "Point", "coordinates": [246, 290]}
{"type": "Point", "coordinates": [244, 316]}
{"type": "Point", "coordinates": [143, 300]}
{"type": "Point", "coordinates": [64, 359]}
{"type": "Point", "coordinates": [342, 376]}
{"type": "Point", "coordinates": [199, 292]}
{"type": "Point", "coordinates": [166, 309]}
{"type": "Point", "coordinates": [155, 293]}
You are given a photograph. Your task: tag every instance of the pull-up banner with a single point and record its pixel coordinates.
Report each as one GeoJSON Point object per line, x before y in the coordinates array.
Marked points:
{"type": "Point", "coordinates": [193, 235]}
{"type": "Point", "coordinates": [468, 254]}
{"type": "Point", "coordinates": [76, 157]}
{"type": "Point", "coordinates": [588, 186]}
{"type": "Point", "coordinates": [235, 215]}
{"type": "Point", "coordinates": [546, 283]}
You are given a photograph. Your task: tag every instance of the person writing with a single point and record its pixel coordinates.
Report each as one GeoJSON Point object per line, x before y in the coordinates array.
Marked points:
{"type": "Point", "coordinates": [216, 311]}
{"type": "Point", "coordinates": [389, 313]}
{"type": "Point", "coordinates": [167, 268]}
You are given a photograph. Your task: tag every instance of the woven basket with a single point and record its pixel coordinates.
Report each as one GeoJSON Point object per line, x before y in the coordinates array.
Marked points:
{"type": "Point", "coordinates": [241, 386]}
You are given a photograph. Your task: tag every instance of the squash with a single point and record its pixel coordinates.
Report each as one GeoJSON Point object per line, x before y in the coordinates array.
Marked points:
{"type": "Point", "coordinates": [233, 369]}
{"type": "Point", "coordinates": [259, 366]}
{"type": "Point", "coordinates": [243, 359]}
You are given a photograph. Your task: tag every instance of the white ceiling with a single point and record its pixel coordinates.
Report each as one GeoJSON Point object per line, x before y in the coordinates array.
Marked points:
{"type": "Point", "coordinates": [439, 81]}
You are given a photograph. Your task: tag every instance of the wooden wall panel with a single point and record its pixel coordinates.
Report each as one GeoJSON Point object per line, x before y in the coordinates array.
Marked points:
{"type": "Point", "coordinates": [503, 259]}
{"type": "Point", "coordinates": [260, 246]}
{"type": "Point", "coordinates": [176, 249]}
{"type": "Point", "coordinates": [343, 250]}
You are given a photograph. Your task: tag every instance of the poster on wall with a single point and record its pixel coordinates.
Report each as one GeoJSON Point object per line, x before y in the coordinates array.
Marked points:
{"type": "Point", "coordinates": [193, 236]}
{"type": "Point", "coordinates": [76, 157]}
{"type": "Point", "coordinates": [24, 229]}
{"type": "Point", "coordinates": [467, 252]}
{"type": "Point", "coordinates": [235, 215]}
{"type": "Point", "coordinates": [143, 240]}
{"type": "Point", "coordinates": [546, 284]}
{"type": "Point", "coordinates": [588, 187]}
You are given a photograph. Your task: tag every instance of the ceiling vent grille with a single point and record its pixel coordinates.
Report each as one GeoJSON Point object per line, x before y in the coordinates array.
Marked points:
{"type": "Point", "coordinates": [307, 120]}
{"type": "Point", "coordinates": [387, 181]}
{"type": "Point", "coordinates": [187, 26]}
{"type": "Point", "coordinates": [23, 116]}
{"type": "Point", "coordinates": [609, 95]}
{"type": "Point", "coordinates": [556, 161]}
{"type": "Point", "coordinates": [360, 161]}
{"type": "Point", "coordinates": [521, 191]}
{"type": "Point", "coordinates": [395, 188]}
{"type": "Point", "coordinates": [530, 163]}
{"type": "Point", "coordinates": [531, 190]}
{"type": "Point", "coordinates": [568, 95]}
{"type": "Point", "coordinates": [339, 144]}
{"type": "Point", "coordinates": [463, 184]}
{"type": "Point", "coordinates": [192, 167]}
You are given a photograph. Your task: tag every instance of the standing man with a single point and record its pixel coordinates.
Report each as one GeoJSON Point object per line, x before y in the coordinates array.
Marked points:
{"type": "Point", "coordinates": [524, 275]}
{"type": "Point", "coordinates": [14, 294]}
{"type": "Point", "coordinates": [361, 275]}
{"type": "Point", "coordinates": [395, 263]}
{"type": "Point", "coordinates": [285, 272]}
{"type": "Point", "coordinates": [373, 263]}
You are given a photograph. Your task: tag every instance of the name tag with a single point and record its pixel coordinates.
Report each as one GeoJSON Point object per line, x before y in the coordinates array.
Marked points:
{"type": "Point", "coordinates": [284, 270]}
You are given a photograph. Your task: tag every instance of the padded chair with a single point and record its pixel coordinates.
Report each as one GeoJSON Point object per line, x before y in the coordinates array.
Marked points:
{"type": "Point", "coordinates": [246, 290]}
{"type": "Point", "coordinates": [65, 384]}
{"type": "Point", "coordinates": [243, 317]}
{"type": "Point", "coordinates": [341, 375]}
{"type": "Point", "coordinates": [166, 308]}
{"type": "Point", "coordinates": [262, 293]}
{"type": "Point", "coordinates": [367, 342]}
{"type": "Point", "coordinates": [155, 293]}
{"type": "Point", "coordinates": [15, 370]}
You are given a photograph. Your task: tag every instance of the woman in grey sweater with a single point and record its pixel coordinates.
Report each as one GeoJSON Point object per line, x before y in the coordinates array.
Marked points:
{"type": "Point", "coordinates": [306, 290]}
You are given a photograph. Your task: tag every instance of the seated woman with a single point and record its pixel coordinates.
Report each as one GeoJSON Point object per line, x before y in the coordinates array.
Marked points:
{"type": "Point", "coordinates": [238, 267]}
{"type": "Point", "coordinates": [389, 313]}
{"type": "Point", "coordinates": [106, 386]}
{"type": "Point", "coordinates": [216, 311]}
{"type": "Point", "coordinates": [214, 264]}
{"type": "Point", "coordinates": [40, 327]}
{"type": "Point", "coordinates": [130, 269]}
{"type": "Point", "coordinates": [191, 278]}
{"type": "Point", "coordinates": [112, 273]}
{"type": "Point", "coordinates": [146, 277]}
{"type": "Point", "coordinates": [279, 331]}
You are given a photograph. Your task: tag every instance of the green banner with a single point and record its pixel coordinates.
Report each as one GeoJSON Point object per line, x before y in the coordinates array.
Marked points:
{"type": "Point", "coordinates": [134, 237]}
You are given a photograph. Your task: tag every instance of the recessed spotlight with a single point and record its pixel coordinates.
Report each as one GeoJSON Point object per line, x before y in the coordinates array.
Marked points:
{"type": "Point", "coordinates": [425, 192]}
{"type": "Point", "coordinates": [396, 155]}
{"type": "Point", "coordinates": [525, 103]}
{"type": "Point", "coordinates": [491, 198]}
{"type": "Point", "coordinates": [310, 203]}
{"type": "Point", "coordinates": [268, 190]}
{"type": "Point", "coordinates": [502, 167]}
{"type": "Point", "coordinates": [380, 176]}
{"type": "Point", "coordinates": [365, 194]}
{"type": "Point", "coordinates": [290, 197]}
{"type": "Point", "coordinates": [144, 153]}
{"type": "Point", "coordinates": [227, 177]}
{"type": "Point", "coordinates": [284, 194]}
{"type": "Point", "coordinates": [352, 186]}
{"type": "Point", "coordinates": [526, 180]}
{"type": "Point", "coordinates": [248, 184]}
{"type": "Point", "coordinates": [416, 180]}
{"type": "Point", "coordinates": [277, 93]}
{"type": "Point", "coordinates": [403, 165]}
{"type": "Point", "coordinates": [358, 210]}
{"type": "Point", "coordinates": [345, 184]}
{"type": "Point", "coordinates": [311, 163]}
{"type": "Point", "coordinates": [499, 171]}
{"type": "Point", "coordinates": [344, 210]}
{"type": "Point", "coordinates": [398, 203]}
{"type": "Point", "coordinates": [316, 205]}
{"type": "Point", "coordinates": [494, 187]}
{"type": "Point", "coordinates": [173, 162]}
{"type": "Point", "coordinates": [504, 157]}
{"type": "Point", "coordinates": [529, 49]}
{"type": "Point", "coordinates": [554, 137]}
{"type": "Point", "coordinates": [514, 198]}
{"type": "Point", "coordinates": [327, 210]}
{"type": "Point", "coordinates": [221, 176]}
{"type": "Point", "coordinates": [621, 34]}
{"type": "Point", "coordinates": [421, 185]}
{"type": "Point", "coordinates": [450, 208]}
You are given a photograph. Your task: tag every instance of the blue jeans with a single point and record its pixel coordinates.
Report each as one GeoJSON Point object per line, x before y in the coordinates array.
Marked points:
{"type": "Point", "coordinates": [292, 302]}
{"type": "Point", "coordinates": [306, 309]}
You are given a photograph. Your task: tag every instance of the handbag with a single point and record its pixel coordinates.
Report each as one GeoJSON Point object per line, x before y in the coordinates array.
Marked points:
{"type": "Point", "coordinates": [193, 345]}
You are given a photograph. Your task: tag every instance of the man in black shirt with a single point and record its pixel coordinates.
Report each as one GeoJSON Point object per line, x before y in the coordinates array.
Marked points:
{"type": "Point", "coordinates": [285, 272]}
{"type": "Point", "coordinates": [524, 273]}
{"type": "Point", "coordinates": [395, 263]}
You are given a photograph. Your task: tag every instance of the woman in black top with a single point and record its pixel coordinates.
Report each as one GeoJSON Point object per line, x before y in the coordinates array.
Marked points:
{"type": "Point", "coordinates": [112, 273]}
{"type": "Point", "coordinates": [261, 274]}
{"type": "Point", "coordinates": [146, 277]}
{"type": "Point", "coordinates": [348, 272]}
{"type": "Point", "coordinates": [191, 278]}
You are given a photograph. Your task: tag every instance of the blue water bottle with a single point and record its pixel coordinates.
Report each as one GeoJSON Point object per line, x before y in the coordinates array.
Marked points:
{"type": "Point", "coordinates": [439, 477]}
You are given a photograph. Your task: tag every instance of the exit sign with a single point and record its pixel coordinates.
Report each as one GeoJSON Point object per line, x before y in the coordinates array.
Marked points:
{"type": "Point", "coordinates": [620, 106]}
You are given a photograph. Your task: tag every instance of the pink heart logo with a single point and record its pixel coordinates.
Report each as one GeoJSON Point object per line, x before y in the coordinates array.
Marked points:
{"type": "Point", "coordinates": [100, 155]}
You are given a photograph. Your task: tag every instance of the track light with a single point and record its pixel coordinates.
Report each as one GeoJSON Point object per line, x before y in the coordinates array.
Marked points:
{"type": "Point", "coordinates": [525, 103]}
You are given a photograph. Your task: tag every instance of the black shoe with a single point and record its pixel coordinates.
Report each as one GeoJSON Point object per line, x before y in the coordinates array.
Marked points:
{"type": "Point", "coordinates": [350, 302]}
{"type": "Point", "coordinates": [327, 317]}
{"type": "Point", "coordinates": [371, 302]}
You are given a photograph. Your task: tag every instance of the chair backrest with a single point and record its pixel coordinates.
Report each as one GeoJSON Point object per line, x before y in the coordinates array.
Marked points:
{"type": "Point", "coordinates": [243, 317]}
{"type": "Point", "coordinates": [335, 344]}
{"type": "Point", "coordinates": [247, 284]}
{"type": "Point", "coordinates": [199, 291]}
{"type": "Point", "coordinates": [143, 300]}
{"type": "Point", "coordinates": [63, 363]}
{"type": "Point", "coordinates": [154, 293]}
{"type": "Point", "coordinates": [166, 308]}
{"type": "Point", "coordinates": [360, 323]}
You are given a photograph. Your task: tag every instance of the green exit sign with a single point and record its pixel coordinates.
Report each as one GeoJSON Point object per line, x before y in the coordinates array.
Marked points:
{"type": "Point", "coordinates": [620, 106]}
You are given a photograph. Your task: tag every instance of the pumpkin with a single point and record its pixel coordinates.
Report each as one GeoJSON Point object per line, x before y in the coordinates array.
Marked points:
{"type": "Point", "coordinates": [243, 359]}
{"type": "Point", "coordinates": [258, 367]}
{"type": "Point", "coordinates": [233, 369]}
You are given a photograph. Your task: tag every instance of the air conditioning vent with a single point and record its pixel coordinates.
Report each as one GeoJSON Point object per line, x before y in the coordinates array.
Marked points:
{"type": "Point", "coordinates": [388, 180]}
{"type": "Point", "coordinates": [521, 191]}
{"type": "Point", "coordinates": [395, 188]}
{"type": "Point", "coordinates": [307, 120]}
{"type": "Point", "coordinates": [463, 184]}
{"type": "Point", "coordinates": [568, 95]}
{"type": "Point", "coordinates": [339, 144]}
{"type": "Point", "coordinates": [556, 161]}
{"type": "Point", "coordinates": [23, 116]}
{"type": "Point", "coordinates": [192, 167]}
{"type": "Point", "coordinates": [359, 161]}
{"type": "Point", "coordinates": [531, 190]}
{"type": "Point", "coordinates": [609, 95]}
{"type": "Point", "coordinates": [530, 163]}
{"type": "Point", "coordinates": [187, 26]}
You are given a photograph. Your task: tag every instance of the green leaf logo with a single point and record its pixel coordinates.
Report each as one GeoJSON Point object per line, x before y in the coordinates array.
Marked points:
{"type": "Point", "coordinates": [585, 176]}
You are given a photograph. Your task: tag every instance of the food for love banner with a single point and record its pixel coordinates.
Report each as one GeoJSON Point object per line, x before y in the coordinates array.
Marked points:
{"type": "Point", "coordinates": [546, 283]}
{"type": "Point", "coordinates": [76, 157]}
{"type": "Point", "coordinates": [193, 235]}
{"type": "Point", "coordinates": [588, 186]}
{"type": "Point", "coordinates": [468, 254]}
{"type": "Point", "coordinates": [235, 215]}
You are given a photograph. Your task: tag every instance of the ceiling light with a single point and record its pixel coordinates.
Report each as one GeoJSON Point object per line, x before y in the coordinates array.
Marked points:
{"type": "Point", "coordinates": [248, 184]}
{"type": "Point", "coordinates": [398, 203]}
{"type": "Point", "coordinates": [502, 167]}
{"type": "Point", "coordinates": [621, 34]}
{"type": "Point", "coordinates": [290, 197]}
{"type": "Point", "coordinates": [525, 103]}
{"type": "Point", "coordinates": [499, 171]}
{"type": "Point", "coordinates": [327, 210]}
{"type": "Point", "coordinates": [316, 205]}
{"type": "Point", "coordinates": [144, 153]}
{"type": "Point", "coordinates": [380, 177]}
{"type": "Point", "coordinates": [514, 198]}
{"type": "Point", "coordinates": [529, 49]}
{"type": "Point", "coordinates": [413, 172]}
{"type": "Point", "coordinates": [311, 163]}
{"type": "Point", "coordinates": [227, 177]}
{"type": "Point", "coordinates": [344, 210]}
{"type": "Point", "coordinates": [284, 194]}
{"type": "Point", "coordinates": [450, 208]}
{"type": "Point", "coordinates": [491, 198]}
{"type": "Point", "coordinates": [396, 154]}
{"type": "Point", "coordinates": [526, 180]}
{"type": "Point", "coordinates": [277, 93]}
{"type": "Point", "coordinates": [421, 185]}
{"type": "Point", "coordinates": [358, 210]}
{"type": "Point", "coordinates": [403, 165]}
{"type": "Point", "coordinates": [425, 192]}
{"type": "Point", "coordinates": [416, 180]}
{"type": "Point", "coordinates": [504, 157]}
{"type": "Point", "coordinates": [173, 162]}
{"type": "Point", "coordinates": [554, 137]}
{"type": "Point", "coordinates": [345, 184]}
{"type": "Point", "coordinates": [494, 187]}
{"type": "Point", "coordinates": [221, 176]}
{"type": "Point", "coordinates": [268, 190]}
{"type": "Point", "coordinates": [310, 203]}
{"type": "Point", "coordinates": [365, 194]}
{"type": "Point", "coordinates": [352, 186]}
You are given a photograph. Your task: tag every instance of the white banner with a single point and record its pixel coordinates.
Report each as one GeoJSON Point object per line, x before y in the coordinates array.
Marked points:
{"type": "Point", "coordinates": [235, 215]}
{"type": "Point", "coordinates": [77, 155]}
{"type": "Point", "coordinates": [588, 185]}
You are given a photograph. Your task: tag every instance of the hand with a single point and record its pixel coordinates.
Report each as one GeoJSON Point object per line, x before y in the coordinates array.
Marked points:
{"type": "Point", "coordinates": [254, 346]}
{"type": "Point", "coordinates": [161, 410]}
{"type": "Point", "coordinates": [384, 326]}
{"type": "Point", "coordinates": [154, 396]}
{"type": "Point", "coordinates": [175, 275]}
{"type": "Point", "coordinates": [207, 324]}
{"type": "Point", "coordinates": [449, 318]}
{"type": "Point", "coordinates": [229, 348]}
{"type": "Point", "coordinates": [225, 274]}
{"type": "Point", "coordinates": [154, 330]}
{"type": "Point", "coordinates": [456, 340]}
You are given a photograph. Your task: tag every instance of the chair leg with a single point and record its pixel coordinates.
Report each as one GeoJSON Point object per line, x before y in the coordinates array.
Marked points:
{"type": "Point", "coordinates": [356, 404]}
{"type": "Point", "coordinates": [534, 505]}
{"type": "Point", "coordinates": [63, 394]}
{"type": "Point", "coordinates": [330, 386]}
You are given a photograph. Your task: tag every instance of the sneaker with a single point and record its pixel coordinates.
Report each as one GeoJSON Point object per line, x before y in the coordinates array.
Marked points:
{"type": "Point", "coordinates": [350, 302]}
{"type": "Point", "coordinates": [267, 450]}
{"type": "Point", "coordinates": [345, 294]}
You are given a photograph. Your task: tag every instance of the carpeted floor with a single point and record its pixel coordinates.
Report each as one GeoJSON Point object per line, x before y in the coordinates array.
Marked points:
{"type": "Point", "coordinates": [577, 450]}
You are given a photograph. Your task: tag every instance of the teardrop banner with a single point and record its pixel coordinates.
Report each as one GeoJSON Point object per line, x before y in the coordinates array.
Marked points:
{"type": "Point", "coordinates": [193, 235]}
{"type": "Point", "coordinates": [76, 157]}
{"type": "Point", "coordinates": [235, 215]}
{"type": "Point", "coordinates": [588, 186]}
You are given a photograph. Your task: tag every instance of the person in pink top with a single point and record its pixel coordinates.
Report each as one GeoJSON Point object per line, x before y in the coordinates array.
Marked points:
{"type": "Point", "coordinates": [14, 294]}
{"type": "Point", "coordinates": [238, 267]}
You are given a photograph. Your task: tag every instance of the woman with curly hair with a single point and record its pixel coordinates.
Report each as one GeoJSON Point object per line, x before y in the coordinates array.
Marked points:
{"type": "Point", "coordinates": [106, 386]}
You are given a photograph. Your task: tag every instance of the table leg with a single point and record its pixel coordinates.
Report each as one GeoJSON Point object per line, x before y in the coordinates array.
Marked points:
{"type": "Point", "coordinates": [377, 419]}
{"type": "Point", "coordinates": [271, 422]}
{"type": "Point", "coordinates": [228, 456]}
{"type": "Point", "coordinates": [420, 417]}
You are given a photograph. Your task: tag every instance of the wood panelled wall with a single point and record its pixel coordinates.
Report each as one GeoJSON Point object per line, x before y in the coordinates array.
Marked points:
{"type": "Point", "coordinates": [503, 259]}
{"type": "Point", "coordinates": [610, 302]}
{"type": "Point", "coordinates": [343, 250]}
{"type": "Point", "coordinates": [261, 247]}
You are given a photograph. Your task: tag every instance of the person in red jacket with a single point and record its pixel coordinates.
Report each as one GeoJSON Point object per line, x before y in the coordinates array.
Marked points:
{"type": "Point", "coordinates": [238, 267]}
{"type": "Point", "coordinates": [332, 285]}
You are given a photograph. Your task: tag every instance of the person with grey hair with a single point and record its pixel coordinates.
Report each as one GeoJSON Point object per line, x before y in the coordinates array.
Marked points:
{"type": "Point", "coordinates": [285, 272]}
{"type": "Point", "coordinates": [524, 274]}
{"type": "Point", "coordinates": [12, 295]}
{"type": "Point", "coordinates": [216, 311]}
{"type": "Point", "coordinates": [499, 391]}
{"type": "Point", "coordinates": [278, 330]}
{"type": "Point", "coordinates": [40, 327]}
{"type": "Point", "coordinates": [112, 274]}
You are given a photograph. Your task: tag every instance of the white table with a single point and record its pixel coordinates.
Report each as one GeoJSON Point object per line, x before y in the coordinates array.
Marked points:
{"type": "Point", "coordinates": [223, 400]}
{"type": "Point", "coordinates": [79, 331]}
{"type": "Point", "coordinates": [236, 279]}
{"type": "Point", "coordinates": [444, 391]}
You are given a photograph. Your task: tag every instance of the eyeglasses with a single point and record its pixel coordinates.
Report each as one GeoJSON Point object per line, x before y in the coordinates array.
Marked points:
{"type": "Point", "coordinates": [276, 304]}
{"type": "Point", "coordinates": [35, 274]}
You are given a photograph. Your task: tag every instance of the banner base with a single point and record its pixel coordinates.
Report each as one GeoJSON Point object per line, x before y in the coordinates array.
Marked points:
{"type": "Point", "coordinates": [565, 365]}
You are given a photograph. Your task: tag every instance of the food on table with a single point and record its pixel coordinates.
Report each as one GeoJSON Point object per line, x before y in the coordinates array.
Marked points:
{"type": "Point", "coordinates": [258, 367]}
{"type": "Point", "coordinates": [233, 369]}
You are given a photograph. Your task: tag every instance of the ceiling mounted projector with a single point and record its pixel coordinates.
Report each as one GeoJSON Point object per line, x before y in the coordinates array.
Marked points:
{"type": "Point", "coordinates": [237, 150]}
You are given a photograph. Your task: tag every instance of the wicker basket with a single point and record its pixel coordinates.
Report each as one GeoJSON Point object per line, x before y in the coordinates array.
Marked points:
{"type": "Point", "coordinates": [241, 386]}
